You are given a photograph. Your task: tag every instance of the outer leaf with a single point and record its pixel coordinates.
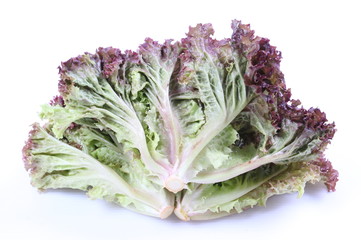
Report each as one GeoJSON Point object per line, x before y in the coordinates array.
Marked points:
{"type": "Point", "coordinates": [209, 197]}
{"type": "Point", "coordinates": [154, 70]}
{"type": "Point", "coordinates": [101, 103]}
{"type": "Point", "coordinates": [292, 179]}
{"type": "Point", "coordinates": [281, 131]}
{"type": "Point", "coordinates": [210, 69]}
{"type": "Point", "coordinates": [55, 164]}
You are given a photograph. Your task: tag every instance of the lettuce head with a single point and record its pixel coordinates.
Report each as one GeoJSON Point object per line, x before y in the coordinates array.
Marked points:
{"type": "Point", "coordinates": [200, 127]}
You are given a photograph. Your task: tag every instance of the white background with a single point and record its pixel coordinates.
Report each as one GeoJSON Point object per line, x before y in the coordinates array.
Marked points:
{"type": "Point", "coordinates": [320, 42]}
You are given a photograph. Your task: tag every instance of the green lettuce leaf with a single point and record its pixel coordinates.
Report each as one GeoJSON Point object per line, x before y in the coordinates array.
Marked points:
{"type": "Point", "coordinates": [92, 100]}
{"type": "Point", "coordinates": [79, 161]}
{"type": "Point", "coordinates": [211, 201]}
